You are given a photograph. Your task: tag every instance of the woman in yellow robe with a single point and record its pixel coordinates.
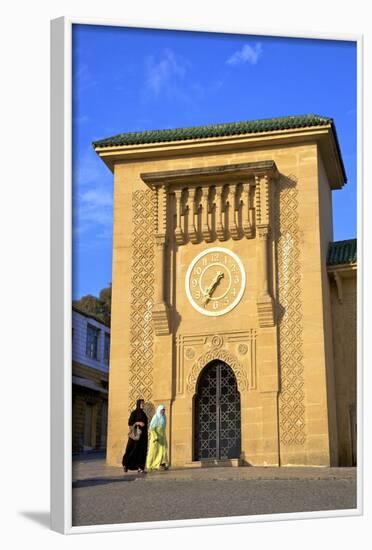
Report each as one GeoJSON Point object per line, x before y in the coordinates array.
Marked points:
{"type": "Point", "coordinates": [157, 456]}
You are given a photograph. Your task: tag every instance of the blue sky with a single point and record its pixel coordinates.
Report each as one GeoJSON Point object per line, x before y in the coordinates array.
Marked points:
{"type": "Point", "coordinates": [140, 79]}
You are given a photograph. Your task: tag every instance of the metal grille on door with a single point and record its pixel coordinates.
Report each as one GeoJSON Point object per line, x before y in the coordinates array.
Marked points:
{"type": "Point", "coordinates": [217, 414]}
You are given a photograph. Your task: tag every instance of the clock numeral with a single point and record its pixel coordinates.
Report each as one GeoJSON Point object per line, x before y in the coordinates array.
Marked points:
{"type": "Point", "coordinates": [233, 291]}
{"type": "Point", "coordinates": [215, 305]}
{"type": "Point", "coordinates": [236, 279]}
{"type": "Point", "coordinates": [205, 261]}
{"type": "Point", "coordinates": [226, 301]}
{"type": "Point", "coordinates": [197, 294]}
{"type": "Point", "coordinates": [233, 267]}
{"type": "Point", "coordinates": [215, 257]}
{"type": "Point", "coordinates": [194, 282]}
{"type": "Point", "coordinates": [198, 270]}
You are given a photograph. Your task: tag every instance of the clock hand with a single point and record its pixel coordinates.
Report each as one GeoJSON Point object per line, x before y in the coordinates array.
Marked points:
{"type": "Point", "coordinates": [209, 291]}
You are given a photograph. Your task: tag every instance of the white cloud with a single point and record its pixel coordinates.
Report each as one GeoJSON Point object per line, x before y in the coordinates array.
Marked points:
{"type": "Point", "coordinates": [88, 169]}
{"type": "Point", "coordinates": [81, 119]}
{"type": "Point", "coordinates": [96, 198]}
{"type": "Point", "coordinates": [168, 77]}
{"type": "Point", "coordinates": [247, 54]}
{"type": "Point", "coordinates": [93, 216]}
{"type": "Point", "coordinates": [92, 200]}
{"type": "Point", "coordinates": [165, 74]}
{"type": "Point", "coordinates": [82, 79]}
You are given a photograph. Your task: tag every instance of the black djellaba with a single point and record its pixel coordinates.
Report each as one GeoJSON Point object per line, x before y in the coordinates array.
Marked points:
{"type": "Point", "coordinates": [134, 457]}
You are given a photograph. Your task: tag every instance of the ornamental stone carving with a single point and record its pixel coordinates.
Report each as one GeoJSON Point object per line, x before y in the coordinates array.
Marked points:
{"type": "Point", "coordinates": [243, 349]}
{"type": "Point", "coordinates": [142, 298]}
{"type": "Point", "coordinates": [292, 395]}
{"type": "Point", "coordinates": [211, 355]}
{"type": "Point", "coordinates": [217, 341]}
{"type": "Point", "coordinates": [190, 353]}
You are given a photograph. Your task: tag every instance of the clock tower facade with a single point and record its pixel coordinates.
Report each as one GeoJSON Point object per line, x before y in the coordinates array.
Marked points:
{"type": "Point", "coordinates": [221, 304]}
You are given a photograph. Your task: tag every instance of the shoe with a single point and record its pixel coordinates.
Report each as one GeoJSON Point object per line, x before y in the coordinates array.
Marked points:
{"type": "Point", "coordinates": [140, 471]}
{"type": "Point", "coordinates": [125, 469]}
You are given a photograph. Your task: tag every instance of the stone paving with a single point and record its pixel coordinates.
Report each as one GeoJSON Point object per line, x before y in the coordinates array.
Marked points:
{"type": "Point", "coordinates": [91, 467]}
{"type": "Point", "coordinates": [102, 494]}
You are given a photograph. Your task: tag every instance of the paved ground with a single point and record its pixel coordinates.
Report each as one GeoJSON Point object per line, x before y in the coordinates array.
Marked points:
{"type": "Point", "coordinates": [104, 494]}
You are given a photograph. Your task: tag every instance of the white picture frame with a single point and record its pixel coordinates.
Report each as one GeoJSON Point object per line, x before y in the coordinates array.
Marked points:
{"type": "Point", "coordinates": [61, 286]}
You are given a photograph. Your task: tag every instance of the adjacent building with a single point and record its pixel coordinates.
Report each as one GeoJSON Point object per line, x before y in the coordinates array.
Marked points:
{"type": "Point", "coordinates": [342, 271]}
{"type": "Point", "coordinates": [90, 369]}
{"type": "Point", "coordinates": [232, 305]}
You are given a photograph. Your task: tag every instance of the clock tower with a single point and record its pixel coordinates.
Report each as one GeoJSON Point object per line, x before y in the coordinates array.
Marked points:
{"type": "Point", "coordinates": [220, 297]}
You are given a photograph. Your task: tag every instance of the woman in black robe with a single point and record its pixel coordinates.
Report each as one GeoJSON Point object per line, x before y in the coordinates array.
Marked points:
{"type": "Point", "coordinates": [135, 453]}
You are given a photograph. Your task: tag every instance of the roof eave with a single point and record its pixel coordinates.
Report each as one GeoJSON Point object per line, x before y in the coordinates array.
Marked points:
{"type": "Point", "coordinates": [324, 135]}
{"type": "Point", "coordinates": [343, 269]}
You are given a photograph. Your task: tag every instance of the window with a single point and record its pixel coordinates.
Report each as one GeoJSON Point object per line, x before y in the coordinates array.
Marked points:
{"type": "Point", "coordinates": [106, 348]}
{"type": "Point", "coordinates": [92, 341]}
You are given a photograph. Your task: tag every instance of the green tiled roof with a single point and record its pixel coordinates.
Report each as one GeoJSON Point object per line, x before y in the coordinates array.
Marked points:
{"type": "Point", "coordinates": [215, 130]}
{"type": "Point", "coordinates": [342, 252]}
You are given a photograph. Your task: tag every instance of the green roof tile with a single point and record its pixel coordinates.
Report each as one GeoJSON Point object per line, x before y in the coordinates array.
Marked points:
{"type": "Point", "coordinates": [215, 130]}
{"type": "Point", "coordinates": [342, 252]}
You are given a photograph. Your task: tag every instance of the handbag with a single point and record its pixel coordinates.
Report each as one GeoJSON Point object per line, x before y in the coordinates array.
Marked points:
{"type": "Point", "coordinates": [134, 432]}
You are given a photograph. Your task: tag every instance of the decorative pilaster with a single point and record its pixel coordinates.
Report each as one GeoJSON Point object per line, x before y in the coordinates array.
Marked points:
{"type": "Point", "coordinates": [263, 236]}
{"type": "Point", "coordinates": [161, 210]}
{"type": "Point", "coordinates": [160, 312]}
{"type": "Point", "coordinates": [265, 303]}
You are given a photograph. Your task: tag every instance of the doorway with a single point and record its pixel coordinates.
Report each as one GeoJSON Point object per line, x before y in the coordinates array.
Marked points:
{"type": "Point", "coordinates": [217, 431]}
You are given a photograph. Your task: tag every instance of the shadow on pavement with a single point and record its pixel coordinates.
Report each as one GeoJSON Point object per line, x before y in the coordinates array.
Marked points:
{"type": "Point", "coordinates": [88, 455]}
{"type": "Point", "coordinates": [94, 482]}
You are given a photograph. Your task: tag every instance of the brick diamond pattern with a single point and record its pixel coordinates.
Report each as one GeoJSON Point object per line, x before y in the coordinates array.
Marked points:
{"type": "Point", "coordinates": [291, 398]}
{"type": "Point", "coordinates": [142, 298]}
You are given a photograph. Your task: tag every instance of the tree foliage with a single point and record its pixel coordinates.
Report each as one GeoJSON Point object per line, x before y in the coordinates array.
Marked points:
{"type": "Point", "coordinates": [98, 307]}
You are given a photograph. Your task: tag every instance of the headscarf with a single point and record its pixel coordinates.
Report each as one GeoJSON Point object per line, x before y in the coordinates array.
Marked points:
{"type": "Point", "coordinates": [158, 419]}
{"type": "Point", "coordinates": [140, 414]}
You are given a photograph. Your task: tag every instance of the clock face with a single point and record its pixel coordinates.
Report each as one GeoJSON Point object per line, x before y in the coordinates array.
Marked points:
{"type": "Point", "coordinates": [215, 281]}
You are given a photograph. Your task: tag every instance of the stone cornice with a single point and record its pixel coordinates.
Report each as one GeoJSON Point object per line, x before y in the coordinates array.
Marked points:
{"type": "Point", "coordinates": [211, 174]}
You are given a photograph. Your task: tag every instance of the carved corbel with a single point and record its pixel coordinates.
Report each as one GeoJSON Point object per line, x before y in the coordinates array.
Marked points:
{"type": "Point", "coordinates": [230, 204]}
{"type": "Point", "coordinates": [193, 209]}
{"type": "Point", "coordinates": [178, 232]}
{"type": "Point", "coordinates": [265, 303]}
{"type": "Point", "coordinates": [220, 228]}
{"type": "Point", "coordinates": [206, 231]}
{"type": "Point", "coordinates": [248, 212]}
{"type": "Point", "coordinates": [160, 311]}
